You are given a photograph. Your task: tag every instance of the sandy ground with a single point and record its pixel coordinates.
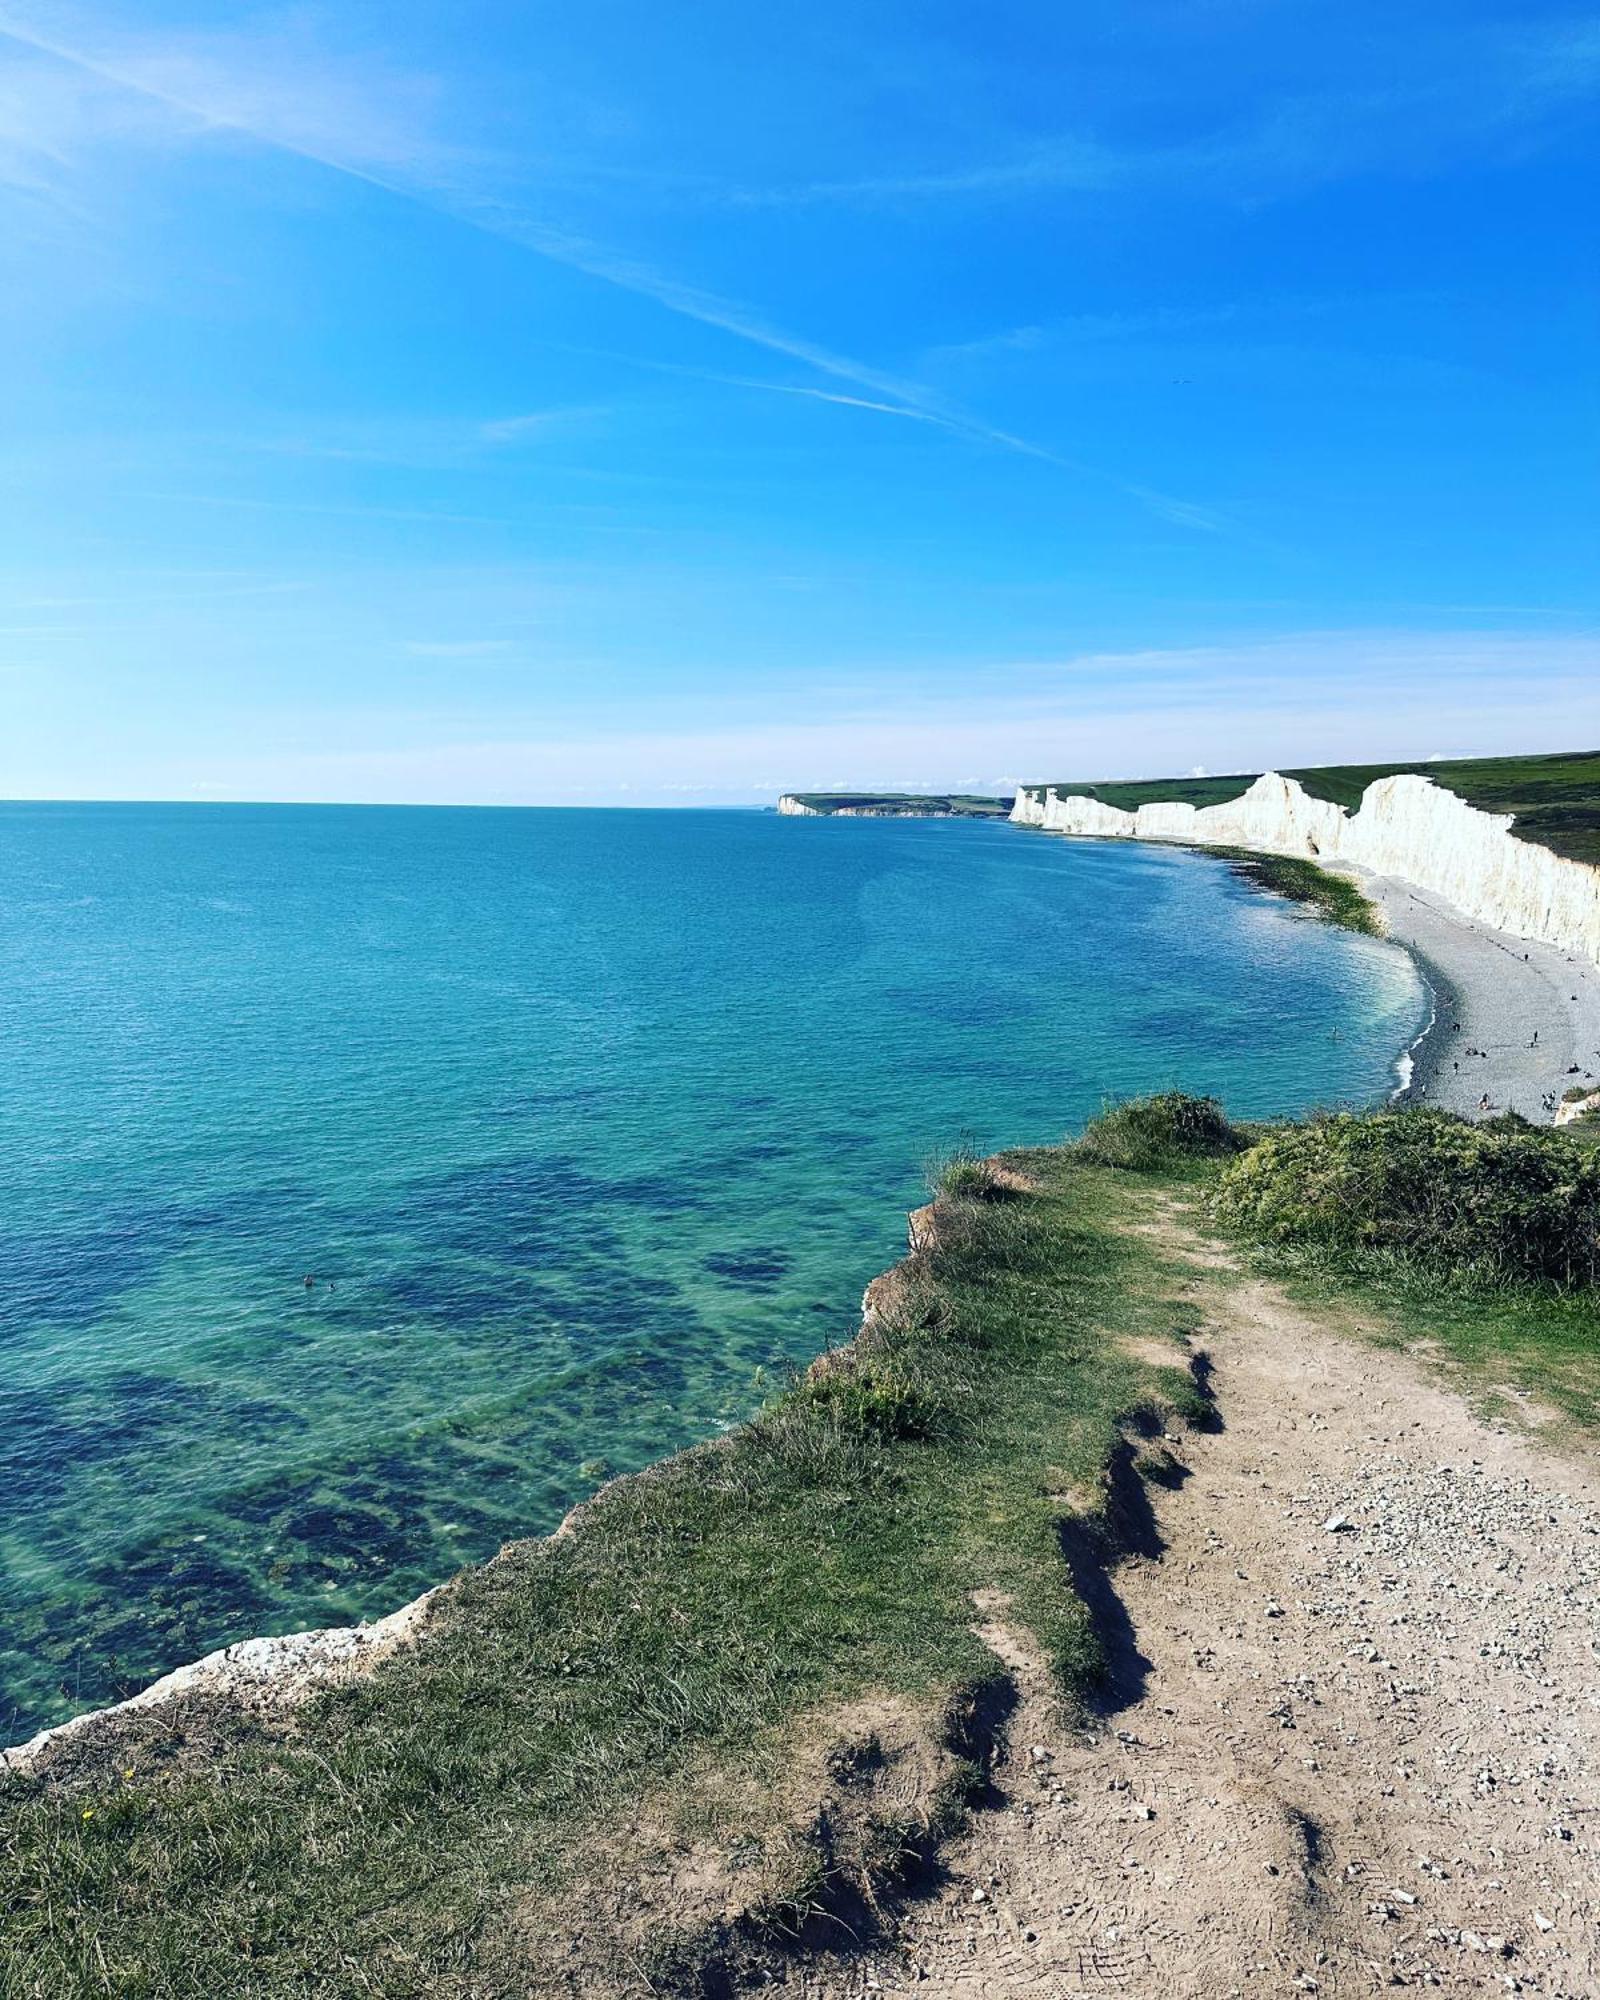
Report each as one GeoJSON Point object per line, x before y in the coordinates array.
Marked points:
{"type": "Point", "coordinates": [1502, 990]}
{"type": "Point", "coordinates": [1353, 1737]}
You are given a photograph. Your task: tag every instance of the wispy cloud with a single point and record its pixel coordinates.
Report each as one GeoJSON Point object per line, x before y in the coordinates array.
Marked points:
{"type": "Point", "coordinates": [764, 386]}
{"type": "Point", "coordinates": [139, 589]}
{"type": "Point", "coordinates": [845, 402]}
{"type": "Point", "coordinates": [353, 510]}
{"type": "Point", "coordinates": [1503, 84]}
{"type": "Point", "coordinates": [335, 127]}
{"type": "Point", "coordinates": [421, 442]}
{"type": "Point", "coordinates": [273, 85]}
{"type": "Point", "coordinates": [1083, 330]}
{"type": "Point", "coordinates": [1079, 164]}
{"type": "Point", "coordinates": [1182, 513]}
{"type": "Point", "coordinates": [1293, 700]}
{"type": "Point", "coordinates": [529, 423]}
{"type": "Point", "coordinates": [457, 649]}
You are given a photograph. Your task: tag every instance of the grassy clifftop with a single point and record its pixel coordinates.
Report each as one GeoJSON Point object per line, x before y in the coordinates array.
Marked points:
{"type": "Point", "coordinates": [759, 1654]}
{"type": "Point", "coordinates": [1556, 799]}
{"type": "Point", "coordinates": [905, 805]}
{"type": "Point", "coordinates": [745, 1688]}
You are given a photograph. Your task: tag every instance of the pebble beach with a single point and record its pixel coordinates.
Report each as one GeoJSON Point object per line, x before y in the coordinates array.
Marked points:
{"type": "Point", "coordinates": [1515, 1022]}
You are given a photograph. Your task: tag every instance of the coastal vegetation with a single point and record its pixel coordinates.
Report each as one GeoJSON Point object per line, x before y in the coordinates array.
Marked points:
{"type": "Point", "coordinates": [748, 1689]}
{"type": "Point", "coordinates": [725, 1655]}
{"type": "Point", "coordinates": [1149, 1134]}
{"type": "Point", "coordinates": [903, 805]}
{"type": "Point", "coordinates": [1335, 898]}
{"type": "Point", "coordinates": [1502, 1202]}
{"type": "Point", "coordinates": [1423, 1231]}
{"type": "Point", "coordinates": [1127, 795]}
{"type": "Point", "coordinates": [1556, 798]}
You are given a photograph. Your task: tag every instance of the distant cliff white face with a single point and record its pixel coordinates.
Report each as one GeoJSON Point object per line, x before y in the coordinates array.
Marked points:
{"type": "Point", "coordinates": [1406, 826]}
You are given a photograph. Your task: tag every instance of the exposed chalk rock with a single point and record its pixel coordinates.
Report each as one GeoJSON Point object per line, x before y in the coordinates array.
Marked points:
{"type": "Point", "coordinates": [1406, 826]}
{"type": "Point", "coordinates": [276, 1673]}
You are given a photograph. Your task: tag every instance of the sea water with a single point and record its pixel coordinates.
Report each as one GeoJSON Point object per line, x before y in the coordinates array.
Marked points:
{"type": "Point", "coordinates": [373, 1182]}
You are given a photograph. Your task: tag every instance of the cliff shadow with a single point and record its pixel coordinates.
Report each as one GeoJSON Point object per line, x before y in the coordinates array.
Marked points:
{"type": "Point", "coordinates": [1094, 1545]}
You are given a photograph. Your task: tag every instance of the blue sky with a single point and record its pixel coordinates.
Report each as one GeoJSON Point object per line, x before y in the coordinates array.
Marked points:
{"type": "Point", "coordinates": [639, 405]}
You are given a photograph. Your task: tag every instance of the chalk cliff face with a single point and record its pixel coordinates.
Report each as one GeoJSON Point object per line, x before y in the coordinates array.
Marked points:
{"type": "Point", "coordinates": [796, 810]}
{"type": "Point", "coordinates": [1406, 826]}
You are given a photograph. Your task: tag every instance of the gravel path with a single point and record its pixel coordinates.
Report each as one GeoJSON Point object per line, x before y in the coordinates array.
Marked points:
{"type": "Point", "coordinates": [1502, 990]}
{"type": "Point", "coordinates": [1353, 1741]}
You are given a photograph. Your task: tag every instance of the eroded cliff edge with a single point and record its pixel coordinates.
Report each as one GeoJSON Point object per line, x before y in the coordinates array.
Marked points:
{"type": "Point", "coordinates": [1405, 826]}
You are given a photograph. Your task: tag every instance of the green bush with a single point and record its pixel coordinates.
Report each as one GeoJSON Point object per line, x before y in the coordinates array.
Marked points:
{"type": "Point", "coordinates": [1149, 1133]}
{"type": "Point", "coordinates": [1499, 1201]}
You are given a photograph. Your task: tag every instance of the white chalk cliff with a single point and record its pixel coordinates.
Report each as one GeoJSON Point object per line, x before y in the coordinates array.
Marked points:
{"type": "Point", "coordinates": [790, 805]}
{"type": "Point", "coordinates": [1406, 826]}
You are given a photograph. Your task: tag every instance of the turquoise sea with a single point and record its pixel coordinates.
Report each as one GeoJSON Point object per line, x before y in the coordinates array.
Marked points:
{"type": "Point", "coordinates": [585, 1124]}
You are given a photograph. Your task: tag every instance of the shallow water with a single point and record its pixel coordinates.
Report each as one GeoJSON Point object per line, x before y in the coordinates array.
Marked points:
{"type": "Point", "coordinates": [584, 1123]}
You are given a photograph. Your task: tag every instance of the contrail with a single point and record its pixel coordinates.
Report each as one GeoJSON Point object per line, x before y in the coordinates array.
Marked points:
{"type": "Point", "coordinates": [907, 399]}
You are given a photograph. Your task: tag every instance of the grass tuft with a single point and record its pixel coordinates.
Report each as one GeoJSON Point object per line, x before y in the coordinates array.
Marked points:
{"type": "Point", "coordinates": [1147, 1135]}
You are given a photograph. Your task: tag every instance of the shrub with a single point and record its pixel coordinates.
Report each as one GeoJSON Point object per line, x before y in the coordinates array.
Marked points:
{"type": "Point", "coordinates": [1498, 1201]}
{"type": "Point", "coordinates": [1149, 1133]}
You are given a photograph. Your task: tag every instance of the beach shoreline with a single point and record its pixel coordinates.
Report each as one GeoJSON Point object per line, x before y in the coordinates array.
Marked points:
{"type": "Point", "coordinates": [1515, 1022]}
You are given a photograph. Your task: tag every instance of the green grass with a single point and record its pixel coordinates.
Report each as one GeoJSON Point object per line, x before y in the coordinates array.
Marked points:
{"type": "Point", "coordinates": [686, 1671]}
{"type": "Point", "coordinates": [1127, 795]}
{"type": "Point", "coordinates": [1163, 1134]}
{"type": "Point", "coordinates": [452, 1825]}
{"type": "Point", "coordinates": [957, 805]}
{"type": "Point", "coordinates": [1556, 798]}
{"type": "Point", "coordinates": [1334, 898]}
{"type": "Point", "coordinates": [1496, 1203]}
{"type": "Point", "coordinates": [1479, 1241]}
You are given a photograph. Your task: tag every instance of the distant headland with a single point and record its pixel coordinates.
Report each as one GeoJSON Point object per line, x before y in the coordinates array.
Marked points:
{"type": "Point", "coordinates": [893, 805]}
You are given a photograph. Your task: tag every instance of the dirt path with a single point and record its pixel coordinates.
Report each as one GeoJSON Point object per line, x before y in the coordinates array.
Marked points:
{"type": "Point", "coordinates": [1354, 1737]}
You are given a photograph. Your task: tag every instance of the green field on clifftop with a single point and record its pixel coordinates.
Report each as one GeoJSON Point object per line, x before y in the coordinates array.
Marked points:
{"type": "Point", "coordinates": [905, 805]}
{"type": "Point", "coordinates": [1556, 798]}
